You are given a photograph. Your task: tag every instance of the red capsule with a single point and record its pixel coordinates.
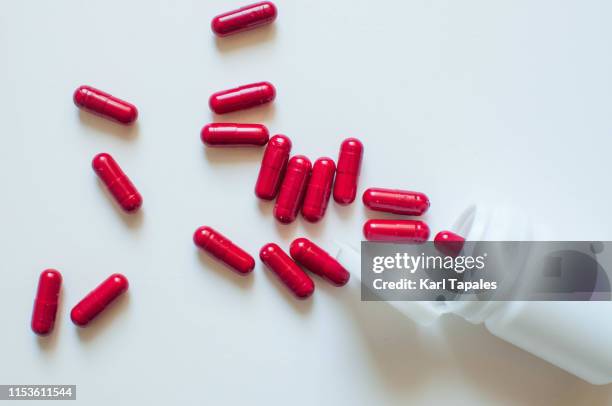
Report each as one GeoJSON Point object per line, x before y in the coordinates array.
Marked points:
{"type": "Point", "coordinates": [396, 231]}
{"type": "Point", "coordinates": [223, 249]}
{"type": "Point", "coordinates": [288, 271]}
{"type": "Point", "coordinates": [117, 182]}
{"type": "Point", "coordinates": [318, 190]}
{"type": "Point", "coordinates": [243, 19]}
{"type": "Point", "coordinates": [103, 104]}
{"type": "Point", "coordinates": [449, 243]}
{"type": "Point", "coordinates": [98, 299]}
{"type": "Point", "coordinates": [292, 189]}
{"type": "Point", "coordinates": [316, 260]}
{"type": "Point", "coordinates": [242, 97]}
{"type": "Point", "coordinates": [396, 201]}
{"type": "Point", "coordinates": [231, 134]}
{"type": "Point", "coordinates": [45, 303]}
{"type": "Point", "coordinates": [347, 173]}
{"type": "Point", "coordinates": [273, 166]}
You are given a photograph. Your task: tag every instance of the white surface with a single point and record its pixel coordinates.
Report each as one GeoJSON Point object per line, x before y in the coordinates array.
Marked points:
{"type": "Point", "coordinates": [467, 101]}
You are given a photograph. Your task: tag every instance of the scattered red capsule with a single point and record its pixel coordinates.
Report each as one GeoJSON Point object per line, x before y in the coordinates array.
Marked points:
{"type": "Point", "coordinates": [103, 104]}
{"type": "Point", "coordinates": [223, 249]}
{"type": "Point", "coordinates": [449, 243]}
{"type": "Point", "coordinates": [243, 19]}
{"type": "Point", "coordinates": [396, 231]}
{"type": "Point", "coordinates": [396, 201]}
{"type": "Point", "coordinates": [231, 134]}
{"type": "Point", "coordinates": [98, 299]}
{"type": "Point", "coordinates": [117, 182]}
{"type": "Point", "coordinates": [319, 189]}
{"type": "Point", "coordinates": [347, 173]}
{"type": "Point", "coordinates": [45, 303]}
{"type": "Point", "coordinates": [288, 271]}
{"type": "Point", "coordinates": [273, 166]}
{"type": "Point", "coordinates": [242, 97]}
{"type": "Point", "coordinates": [292, 189]}
{"type": "Point", "coordinates": [318, 261]}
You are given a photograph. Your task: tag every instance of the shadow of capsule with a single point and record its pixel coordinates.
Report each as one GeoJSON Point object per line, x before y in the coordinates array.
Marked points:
{"type": "Point", "coordinates": [243, 281]}
{"type": "Point", "coordinates": [105, 126]}
{"type": "Point", "coordinates": [131, 220]}
{"type": "Point", "coordinates": [236, 42]}
{"type": "Point", "coordinates": [100, 323]}
{"type": "Point", "coordinates": [302, 306]}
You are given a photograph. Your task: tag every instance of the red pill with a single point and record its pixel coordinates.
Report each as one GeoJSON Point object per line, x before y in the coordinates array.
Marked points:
{"type": "Point", "coordinates": [242, 97]}
{"type": "Point", "coordinates": [292, 189]}
{"type": "Point", "coordinates": [243, 19]}
{"type": "Point", "coordinates": [318, 190]}
{"type": "Point", "coordinates": [396, 231]}
{"type": "Point", "coordinates": [231, 134]}
{"type": "Point", "coordinates": [396, 201]}
{"type": "Point", "coordinates": [273, 166]}
{"type": "Point", "coordinates": [288, 271]}
{"type": "Point", "coordinates": [347, 173]}
{"type": "Point", "coordinates": [103, 104]}
{"type": "Point", "coordinates": [98, 299]}
{"type": "Point", "coordinates": [449, 243]}
{"type": "Point", "coordinates": [118, 184]}
{"type": "Point", "coordinates": [45, 303]}
{"type": "Point", "coordinates": [316, 260]}
{"type": "Point", "coordinates": [223, 249]}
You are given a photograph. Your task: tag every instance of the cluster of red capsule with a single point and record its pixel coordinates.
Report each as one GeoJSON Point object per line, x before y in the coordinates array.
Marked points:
{"type": "Point", "coordinates": [128, 198]}
{"type": "Point", "coordinates": [294, 182]}
{"type": "Point", "coordinates": [47, 298]}
{"type": "Point", "coordinates": [302, 251]}
{"type": "Point", "coordinates": [404, 202]}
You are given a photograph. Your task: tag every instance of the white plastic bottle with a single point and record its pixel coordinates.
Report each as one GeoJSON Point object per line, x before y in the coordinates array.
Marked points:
{"type": "Point", "coordinates": [575, 336]}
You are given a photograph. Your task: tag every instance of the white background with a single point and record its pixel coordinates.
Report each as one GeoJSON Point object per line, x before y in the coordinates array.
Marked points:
{"type": "Point", "coordinates": [467, 101]}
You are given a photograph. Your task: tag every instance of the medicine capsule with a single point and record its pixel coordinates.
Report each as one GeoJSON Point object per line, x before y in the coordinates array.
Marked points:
{"type": "Point", "coordinates": [288, 271]}
{"type": "Point", "coordinates": [118, 184]}
{"type": "Point", "coordinates": [231, 134]}
{"type": "Point", "coordinates": [223, 249]}
{"type": "Point", "coordinates": [396, 231]}
{"type": "Point", "coordinates": [319, 189]}
{"type": "Point", "coordinates": [45, 303]}
{"type": "Point", "coordinates": [316, 260]}
{"type": "Point", "coordinates": [273, 166]}
{"type": "Point", "coordinates": [243, 19]}
{"type": "Point", "coordinates": [103, 104]}
{"type": "Point", "coordinates": [449, 243]}
{"type": "Point", "coordinates": [292, 189]}
{"type": "Point", "coordinates": [396, 201]}
{"type": "Point", "coordinates": [242, 97]}
{"type": "Point", "coordinates": [98, 299]}
{"type": "Point", "coordinates": [347, 172]}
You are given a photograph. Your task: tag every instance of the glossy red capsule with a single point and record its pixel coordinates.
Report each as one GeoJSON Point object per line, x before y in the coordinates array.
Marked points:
{"type": "Point", "coordinates": [117, 182]}
{"type": "Point", "coordinates": [396, 231]}
{"type": "Point", "coordinates": [288, 271]}
{"type": "Point", "coordinates": [273, 166]}
{"type": "Point", "coordinates": [292, 189]}
{"type": "Point", "coordinates": [347, 172]}
{"type": "Point", "coordinates": [242, 97]}
{"type": "Point", "coordinates": [319, 189]}
{"type": "Point", "coordinates": [232, 134]}
{"type": "Point", "coordinates": [45, 303]}
{"type": "Point", "coordinates": [98, 299]}
{"type": "Point", "coordinates": [318, 261]}
{"type": "Point", "coordinates": [396, 201]}
{"type": "Point", "coordinates": [449, 243]}
{"type": "Point", "coordinates": [223, 249]}
{"type": "Point", "coordinates": [103, 104]}
{"type": "Point", "coordinates": [243, 19]}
